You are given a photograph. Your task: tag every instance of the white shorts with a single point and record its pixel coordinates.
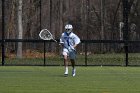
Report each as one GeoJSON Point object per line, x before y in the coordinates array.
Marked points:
{"type": "Point", "coordinates": [71, 54]}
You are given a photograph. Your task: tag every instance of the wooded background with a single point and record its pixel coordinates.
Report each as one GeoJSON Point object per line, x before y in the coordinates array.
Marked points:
{"type": "Point", "coordinates": [91, 19]}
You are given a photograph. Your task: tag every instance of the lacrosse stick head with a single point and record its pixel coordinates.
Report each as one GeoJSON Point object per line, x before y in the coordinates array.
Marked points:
{"type": "Point", "coordinates": [45, 34]}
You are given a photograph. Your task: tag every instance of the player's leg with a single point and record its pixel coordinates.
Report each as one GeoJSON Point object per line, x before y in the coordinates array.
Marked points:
{"type": "Point", "coordinates": [65, 55]}
{"type": "Point", "coordinates": [66, 64]}
{"type": "Point", "coordinates": [72, 63]}
{"type": "Point", "coordinates": [72, 56]}
{"type": "Point", "coordinates": [73, 67]}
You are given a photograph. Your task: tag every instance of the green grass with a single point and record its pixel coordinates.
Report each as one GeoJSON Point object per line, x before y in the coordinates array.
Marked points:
{"type": "Point", "coordinates": [37, 79]}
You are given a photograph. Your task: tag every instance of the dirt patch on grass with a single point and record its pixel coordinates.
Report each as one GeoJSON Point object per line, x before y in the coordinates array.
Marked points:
{"type": "Point", "coordinates": [32, 54]}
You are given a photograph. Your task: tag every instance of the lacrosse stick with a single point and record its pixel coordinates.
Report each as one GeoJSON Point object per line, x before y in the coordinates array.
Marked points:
{"type": "Point", "coordinates": [45, 34]}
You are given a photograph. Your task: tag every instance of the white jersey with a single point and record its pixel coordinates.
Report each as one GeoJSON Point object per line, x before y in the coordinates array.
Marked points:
{"type": "Point", "coordinates": [69, 40]}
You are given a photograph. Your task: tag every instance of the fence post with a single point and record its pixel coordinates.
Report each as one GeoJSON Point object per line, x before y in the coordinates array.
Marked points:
{"type": "Point", "coordinates": [125, 29]}
{"type": "Point", "coordinates": [87, 28]}
{"type": "Point", "coordinates": [44, 53]}
{"type": "Point", "coordinates": [3, 28]}
{"type": "Point", "coordinates": [85, 54]}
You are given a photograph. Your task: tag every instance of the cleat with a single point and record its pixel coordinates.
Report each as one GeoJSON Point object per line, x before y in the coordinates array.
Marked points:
{"type": "Point", "coordinates": [73, 72]}
{"type": "Point", "coordinates": [66, 73]}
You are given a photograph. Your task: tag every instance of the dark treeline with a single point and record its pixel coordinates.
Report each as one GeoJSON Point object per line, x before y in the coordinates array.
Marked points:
{"type": "Point", "coordinates": [92, 20]}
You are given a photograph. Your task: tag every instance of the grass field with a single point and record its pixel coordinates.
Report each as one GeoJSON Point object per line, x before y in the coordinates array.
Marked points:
{"type": "Point", "coordinates": [39, 79]}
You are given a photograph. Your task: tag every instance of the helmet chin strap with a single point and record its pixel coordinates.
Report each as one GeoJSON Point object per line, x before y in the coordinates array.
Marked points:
{"type": "Point", "coordinates": [68, 32]}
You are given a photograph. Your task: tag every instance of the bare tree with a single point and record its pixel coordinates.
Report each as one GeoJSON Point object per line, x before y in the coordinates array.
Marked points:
{"type": "Point", "coordinates": [20, 30]}
{"type": "Point", "coordinates": [99, 19]}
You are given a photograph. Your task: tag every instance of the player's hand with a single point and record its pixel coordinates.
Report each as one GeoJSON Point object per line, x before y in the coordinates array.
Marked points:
{"type": "Point", "coordinates": [75, 46]}
{"type": "Point", "coordinates": [60, 43]}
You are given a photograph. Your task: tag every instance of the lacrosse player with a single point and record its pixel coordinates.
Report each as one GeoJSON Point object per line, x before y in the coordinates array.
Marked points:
{"type": "Point", "coordinates": [69, 41]}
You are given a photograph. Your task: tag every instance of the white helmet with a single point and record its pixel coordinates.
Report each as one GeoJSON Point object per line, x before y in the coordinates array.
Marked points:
{"type": "Point", "coordinates": [68, 28]}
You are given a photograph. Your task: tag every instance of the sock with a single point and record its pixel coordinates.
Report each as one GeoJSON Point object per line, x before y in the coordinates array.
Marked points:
{"type": "Point", "coordinates": [73, 68]}
{"type": "Point", "coordinates": [66, 69]}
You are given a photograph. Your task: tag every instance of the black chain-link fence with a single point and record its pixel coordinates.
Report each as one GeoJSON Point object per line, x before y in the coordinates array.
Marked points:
{"type": "Point", "coordinates": [114, 55]}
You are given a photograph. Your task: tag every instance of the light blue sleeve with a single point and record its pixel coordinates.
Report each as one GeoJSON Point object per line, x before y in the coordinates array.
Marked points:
{"type": "Point", "coordinates": [77, 39]}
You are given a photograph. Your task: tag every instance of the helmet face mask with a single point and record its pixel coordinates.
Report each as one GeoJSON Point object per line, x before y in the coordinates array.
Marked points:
{"type": "Point", "coordinates": [68, 31]}
{"type": "Point", "coordinates": [68, 28]}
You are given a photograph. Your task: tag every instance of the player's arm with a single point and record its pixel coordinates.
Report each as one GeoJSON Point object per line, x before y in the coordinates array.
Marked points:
{"type": "Point", "coordinates": [77, 41]}
{"type": "Point", "coordinates": [75, 45]}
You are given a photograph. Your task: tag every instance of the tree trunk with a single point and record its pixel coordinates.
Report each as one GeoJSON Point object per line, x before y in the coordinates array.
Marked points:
{"type": "Point", "coordinates": [102, 24]}
{"type": "Point", "coordinates": [20, 30]}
